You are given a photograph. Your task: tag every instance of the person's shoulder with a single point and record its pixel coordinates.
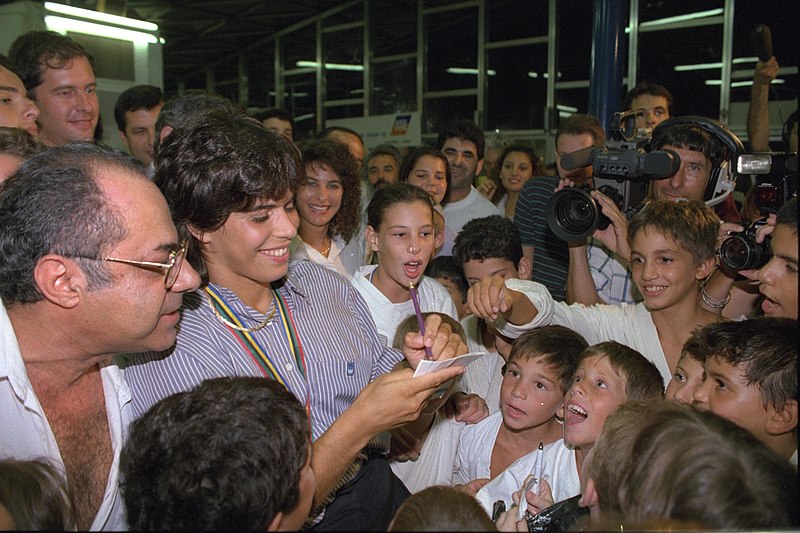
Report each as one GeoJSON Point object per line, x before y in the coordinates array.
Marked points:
{"type": "Point", "coordinates": [306, 273]}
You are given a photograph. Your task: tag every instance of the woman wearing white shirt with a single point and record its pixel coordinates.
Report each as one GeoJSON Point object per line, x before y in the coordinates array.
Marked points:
{"type": "Point", "coordinates": [328, 203]}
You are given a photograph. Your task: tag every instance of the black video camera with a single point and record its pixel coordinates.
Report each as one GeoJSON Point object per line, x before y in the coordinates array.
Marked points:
{"type": "Point", "coordinates": [740, 251]}
{"type": "Point", "coordinates": [621, 169]}
{"type": "Point", "coordinates": [776, 179]}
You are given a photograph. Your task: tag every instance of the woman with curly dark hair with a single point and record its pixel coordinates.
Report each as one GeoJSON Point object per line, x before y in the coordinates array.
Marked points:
{"type": "Point", "coordinates": [328, 203]}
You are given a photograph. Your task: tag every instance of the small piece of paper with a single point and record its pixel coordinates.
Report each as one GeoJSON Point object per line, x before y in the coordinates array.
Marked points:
{"type": "Point", "coordinates": [523, 501]}
{"type": "Point", "coordinates": [426, 367]}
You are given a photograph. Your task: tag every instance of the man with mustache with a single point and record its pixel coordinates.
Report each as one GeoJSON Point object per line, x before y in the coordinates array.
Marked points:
{"type": "Point", "coordinates": [462, 143]}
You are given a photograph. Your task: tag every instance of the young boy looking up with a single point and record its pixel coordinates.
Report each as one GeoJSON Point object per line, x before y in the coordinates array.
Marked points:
{"type": "Point", "coordinates": [673, 249]}
{"type": "Point", "coordinates": [539, 369]}
{"type": "Point", "coordinates": [491, 247]}
{"type": "Point", "coordinates": [608, 374]}
{"type": "Point", "coordinates": [751, 379]}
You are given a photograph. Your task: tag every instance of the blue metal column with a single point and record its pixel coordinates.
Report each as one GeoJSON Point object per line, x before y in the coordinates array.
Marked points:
{"type": "Point", "coordinates": [608, 53]}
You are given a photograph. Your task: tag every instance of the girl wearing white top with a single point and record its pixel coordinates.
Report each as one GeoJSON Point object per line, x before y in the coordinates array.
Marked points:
{"type": "Point", "coordinates": [400, 230]}
{"type": "Point", "coordinates": [328, 204]}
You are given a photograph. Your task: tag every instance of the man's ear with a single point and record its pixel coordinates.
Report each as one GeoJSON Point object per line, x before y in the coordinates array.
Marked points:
{"type": "Point", "coordinates": [372, 238]}
{"type": "Point", "coordinates": [524, 268]}
{"type": "Point", "coordinates": [123, 137]}
{"type": "Point", "coordinates": [275, 523]}
{"type": "Point", "coordinates": [479, 167]}
{"type": "Point", "coordinates": [705, 268]}
{"type": "Point", "coordinates": [166, 130]}
{"type": "Point", "coordinates": [60, 280]}
{"type": "Point", "coordinates": [783, 420]}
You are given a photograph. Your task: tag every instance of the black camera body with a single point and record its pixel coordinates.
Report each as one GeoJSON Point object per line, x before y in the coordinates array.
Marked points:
{"type": "Point", "coordinates": [621, 169]}
{"type": "Point", "coordinates": [740, 251]}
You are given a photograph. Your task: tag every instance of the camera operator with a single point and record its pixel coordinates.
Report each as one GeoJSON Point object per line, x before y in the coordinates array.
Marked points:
{"type": "Point", "coordinates": [547, 253]}
{"type": "Point", "coordinates": [708, 153]}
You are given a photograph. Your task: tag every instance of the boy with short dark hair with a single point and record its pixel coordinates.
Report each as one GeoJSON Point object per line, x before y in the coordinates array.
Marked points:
{"type": "Point", "coordinates": [486, 247]}
{"type": "Point", "coordinates": [538, 373]}
{"type": "Point", "coordinates": [751, 379]}
{"type": "Point", "coordinates": [232, 453]}
{"type": "Point", "coordinates": [608, 374]}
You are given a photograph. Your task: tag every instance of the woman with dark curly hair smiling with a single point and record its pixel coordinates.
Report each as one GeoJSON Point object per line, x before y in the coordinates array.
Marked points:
{"type": "Point", "coordinates": [328, 203]}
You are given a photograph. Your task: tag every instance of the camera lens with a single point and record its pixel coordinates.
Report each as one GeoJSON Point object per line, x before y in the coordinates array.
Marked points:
{"type": "Point", "coordinates": [572, 214]}
{"type": "Point", "coordinates": [742, 252]}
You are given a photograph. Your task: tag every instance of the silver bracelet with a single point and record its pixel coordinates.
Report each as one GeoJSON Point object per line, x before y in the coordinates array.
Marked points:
{"type": "Point", "coordinates": [712, 302]}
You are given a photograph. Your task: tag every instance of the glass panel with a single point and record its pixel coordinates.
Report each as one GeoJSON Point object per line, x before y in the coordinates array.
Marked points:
{"type": "Point", "coordinates": [440, 111]}
{"type": "Point", "coordinates": [515, 19]}
{"type": "Point", "coordinates": [693, 90]}
{"type": "Point", "coordinates": [261, 75]}
{"type": "Point", "coordinates": [300, 98]}
{"type": "Point", "coordinates": [343, 51]}
{"type": "Point", "coordinates": [299, 46]}
{"type": "Point", "coordinates": [574, 42]}
{"type": "Point", "coordinates": [518, 91]}
{"type": "Point", "coordinates": [785, 46]}
{"type": "Point", "coordinates": [452, 43]}
{"type": "Point", "coordinates": [573, 98]}
{"type": "Point", "coordinates": [394, 27]}
{"type": "Point", "coordinates": [395, 87]}
{"type": "Point", "coordinates": [344, 111]}
{"type": "Point", "coordinates": [351, 14]}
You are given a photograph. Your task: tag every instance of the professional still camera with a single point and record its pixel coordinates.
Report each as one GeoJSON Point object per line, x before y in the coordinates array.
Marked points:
{"type": "Point", "coordinates": [775, 184]}
{"type": "Point", "coordinates": [621, 169]}
{"type": "Point", "coordinates": [741, 251]}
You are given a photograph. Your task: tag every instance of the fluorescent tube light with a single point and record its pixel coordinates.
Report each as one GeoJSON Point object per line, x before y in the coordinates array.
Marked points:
{"type": "Point", "coordinates": [682, 18]}
{"type": "Point", "coordinates": [63, 25]}
{"type": "Point", "coordinates": [331, 66]}
{"type": "Point", "coordinates": [473, 71]}
{"type": "Point", "coordinates": [100, 17]}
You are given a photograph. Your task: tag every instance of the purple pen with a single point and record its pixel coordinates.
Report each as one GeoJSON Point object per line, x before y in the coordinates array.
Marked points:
{"type": "Point", "coordinates": [420, 320]}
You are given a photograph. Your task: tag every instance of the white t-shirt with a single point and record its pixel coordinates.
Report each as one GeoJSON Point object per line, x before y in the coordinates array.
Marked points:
{"type": "Point", "coordinates": [559, 469]}
{"type": "Point", "coordinates": [433, 298]}
{"type": "Point", "coordinates": [474, 205]}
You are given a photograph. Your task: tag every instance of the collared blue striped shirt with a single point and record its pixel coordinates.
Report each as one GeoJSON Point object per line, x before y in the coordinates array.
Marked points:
{"type": "Point", "coordinates": [343, 350]}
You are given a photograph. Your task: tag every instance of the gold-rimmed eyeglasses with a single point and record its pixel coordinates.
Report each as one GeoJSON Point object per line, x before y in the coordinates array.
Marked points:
{"type": "Point", "coordinates": [171, 269]}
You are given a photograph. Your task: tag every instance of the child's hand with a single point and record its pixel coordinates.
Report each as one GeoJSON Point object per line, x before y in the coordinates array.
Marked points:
{"type": "Point", "coordinates": [469, 408]}
{"type": "Point", "coordinates": [536, 502]}
{"type": "Point", "coordinates": [473, 486]}
{"type": "Point", "coordinates": [489, 297]}
{"type": "Point", "coordinates": [443, 342]}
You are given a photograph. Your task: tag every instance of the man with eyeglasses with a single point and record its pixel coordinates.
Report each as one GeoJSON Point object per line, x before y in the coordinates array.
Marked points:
{"type": "Point", "coordinates": [90, 266]}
